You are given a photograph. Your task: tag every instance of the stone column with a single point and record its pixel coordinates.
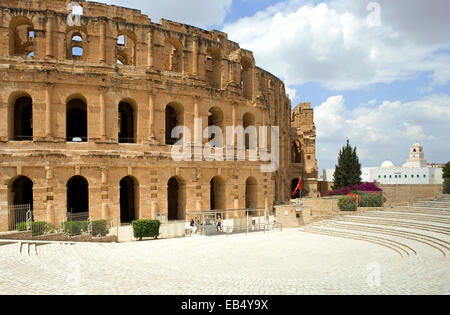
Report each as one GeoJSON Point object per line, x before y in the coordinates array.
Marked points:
{"type": "Point", "coordinates": [198, 134]}
{"type": "Point", "coordinates": [103, 133]}
{"type": "Point", "coordinates": [150, 49]}
{"type": "Point", "coordinates": [102, 43]}
{"type": "Point", "coordinates": [151, 118]}
{"type": "Point", "coordinates": [49, 37]}
{"type": "Point", "coordinates": [195, 56]}
{"type": "Point", "coordinates": [48, 109]}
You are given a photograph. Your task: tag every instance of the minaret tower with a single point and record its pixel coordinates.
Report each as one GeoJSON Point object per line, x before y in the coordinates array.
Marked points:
{"type": "Point", "coordinates": [416, 157]}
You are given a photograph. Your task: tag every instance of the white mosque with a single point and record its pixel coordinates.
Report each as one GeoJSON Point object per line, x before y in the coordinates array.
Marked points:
{"type": "Point", "coordinates": [414, 172]}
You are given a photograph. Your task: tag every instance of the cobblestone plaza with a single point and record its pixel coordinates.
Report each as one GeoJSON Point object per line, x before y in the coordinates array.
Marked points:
{"type": "Point", "coordinates": [397, 251]}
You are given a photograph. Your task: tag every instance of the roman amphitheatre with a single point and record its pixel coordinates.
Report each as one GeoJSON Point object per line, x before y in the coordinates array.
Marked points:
{"type": "Point", "coordinates": [89, 108]}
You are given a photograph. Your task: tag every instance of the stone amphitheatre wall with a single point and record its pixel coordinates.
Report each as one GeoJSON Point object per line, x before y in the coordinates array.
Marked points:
{"type": "Point", "coordinates": [120, 81]}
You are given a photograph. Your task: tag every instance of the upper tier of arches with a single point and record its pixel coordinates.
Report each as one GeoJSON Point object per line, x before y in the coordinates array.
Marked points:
{"type": "Point", "coordinates": [117, 38]}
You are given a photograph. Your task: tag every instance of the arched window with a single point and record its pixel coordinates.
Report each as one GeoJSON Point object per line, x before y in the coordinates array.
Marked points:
{"type": "Point", "coordinates": [78, 197]}
{"type": "Point", "coordinates": [126, 49]}
{"type": "Point", "coordinates": [213, 67]}
{"type": "Point", "coordinates": [21, 190]}
{"type": "Point", "coordinates": [215, 118]}
{"type": "Point", "coordinates": [251, 193]}
{"type": "Point", "coordinates": [249, 121]}
{"type": "Point", "coordinates": [127, 130]}
{"type": "Point", "coordinates": [76, 46]}
{"type": "Point", "coordinates": [217, 193]}
{"type": "Point", "coordinates": [173, 53]}
{"type": "Point", "coordinates": [174, 118]}
{"type": "Point", "coordinates": [129, 205]}
{"type": "Point", "coordinates": [76, 121]}
{"type": "Point", "coordinates": [21, 198]}
{"type": "Point", "coordinates": [176, 199]}
{"type": "Point", "coordinates": [296, 152]}
{"type": "Point", "coordinates": [23, 119]}
{"type": "Point", "coordinates": [247, 77]}
{"type": "Point", "coordinates": [21, 35]}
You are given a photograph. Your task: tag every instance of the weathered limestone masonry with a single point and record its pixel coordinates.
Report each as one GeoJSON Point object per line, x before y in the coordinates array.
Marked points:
{"type": "Point", "coordinates": [87, 110]}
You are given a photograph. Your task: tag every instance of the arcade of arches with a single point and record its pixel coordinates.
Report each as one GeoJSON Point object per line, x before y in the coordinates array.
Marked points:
{"type": "Point", "coordinates": [89, 112]}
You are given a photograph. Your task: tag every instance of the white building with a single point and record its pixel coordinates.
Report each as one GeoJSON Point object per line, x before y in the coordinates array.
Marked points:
{"type": "Point", "coordinates": [414, 172]}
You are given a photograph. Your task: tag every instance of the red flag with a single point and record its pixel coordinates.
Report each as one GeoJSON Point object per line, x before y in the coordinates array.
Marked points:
{"type": "Point", "coordinates": [299, 186]}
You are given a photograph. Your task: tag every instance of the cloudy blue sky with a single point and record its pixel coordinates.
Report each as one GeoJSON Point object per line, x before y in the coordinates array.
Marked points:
{"type": "Point", "coordinates": [376, 72]}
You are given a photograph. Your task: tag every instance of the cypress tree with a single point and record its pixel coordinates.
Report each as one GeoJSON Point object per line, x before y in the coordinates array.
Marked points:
{"type": "Point", "coordinates": [348, 171]}
{"type": "Point", "coordinates": [446, 176]}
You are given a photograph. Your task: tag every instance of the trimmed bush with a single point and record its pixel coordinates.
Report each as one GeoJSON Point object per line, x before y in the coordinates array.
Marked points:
{"type": "Point", "coordinates": [146, 228]}
{"type": "Point", "coordinates": [348, 204]}
{"type": "Point", "coordinates": [371, 200]}
{"type": "Point", "coordinates": [74, 228]}
{"type": "Point", "coordinates": [21, 226]}
{"type": "Point", "coordinates": [38, 228]}
{"type": "Point", "coordinates": [100, 228]}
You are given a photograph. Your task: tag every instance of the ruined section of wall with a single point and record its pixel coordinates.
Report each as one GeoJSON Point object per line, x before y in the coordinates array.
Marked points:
{"type": "Point", "coordinates": [302, 148]}
{"type": "Point", "coordinates": [408, 194]}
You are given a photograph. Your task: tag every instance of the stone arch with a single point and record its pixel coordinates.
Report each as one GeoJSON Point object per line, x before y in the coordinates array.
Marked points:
{"type": "Point", "coordinates": [76, 43]}
{"type": "Point", "coordinates": [218, 198]}
{"type": "Point", "coordinates": [213, 67]}
{"type": "Point", "coordinates": [127, 121]}
{"type": "Point", "coordinates": [129, 199]}
{"type": "Point", "coordinates": [248, 120]}
{"type": "Point", "coordinates": [251, 193]}
{"type": "Point", "coordinates": [247, 66]}
{"type": "Point", "coordinates": [77, 195]}
{"type": "Point", "coordinates": [20, 116]}
{"type": "Point", "coordinates": [21, 36]}
{"type": "Point", "coordinates": [174, 117]}
{"type": "Point", "coordinates": [296, 152]}
{"type": "Point", "coordinates": [173, 53]}
{"type": "Point", "coordinates": [21, 191]}
{"type": "Point", "coordinates": [126, 48]}
{"type": "Point", "coordinates": [216, 118]}
{"type": "Point", "coordinates": [176, 199]}
{"type": "Point", "coordinates": [76, 119]}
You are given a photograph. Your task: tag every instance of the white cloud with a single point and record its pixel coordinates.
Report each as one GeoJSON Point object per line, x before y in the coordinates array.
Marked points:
{"type": "Point", "coordinates": [333, 43]}
{"type": "Point", "coordinates": [200, 13]}
{"type": "Point", "coordinates": [384, 132]}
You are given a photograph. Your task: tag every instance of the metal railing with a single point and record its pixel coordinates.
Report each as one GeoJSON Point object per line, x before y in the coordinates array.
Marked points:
{"type": "Point", "coordinates": [127, 140]}
{"type": "Point", "coordinates": [23, 138]}
{"type": "Point", "coordinates": [80, 216]}
{"type": "Point", "coordinates": [22, 222]}
{"type": "Point", "coordinates": [15, 218]}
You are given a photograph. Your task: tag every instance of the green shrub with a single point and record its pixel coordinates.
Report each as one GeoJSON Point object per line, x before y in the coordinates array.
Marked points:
{"type": "Point", "coordinates": [38, 228]}
{"type": "Point", "coordinates": [146, 228]}
{"type": "Point", "coordinates": [371, 200]}
{"type": "Point", "coordinates": [21, 226]}
{"type": "Point", "coordinates": [100, 228]}
{"type": "Point", "coordinates": [446, 185]}
{"type": "Point", "coordinates": [348, 204]}
{"type": "Point", "coordinates": [74, 228]}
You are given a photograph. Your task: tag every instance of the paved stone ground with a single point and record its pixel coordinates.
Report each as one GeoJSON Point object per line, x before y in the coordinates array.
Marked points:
{"type": "Point", "coordinates": [398, 251]}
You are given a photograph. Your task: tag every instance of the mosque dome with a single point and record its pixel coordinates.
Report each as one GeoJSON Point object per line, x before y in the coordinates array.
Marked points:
{"type": "Point", "coordinates": [387, 164]}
